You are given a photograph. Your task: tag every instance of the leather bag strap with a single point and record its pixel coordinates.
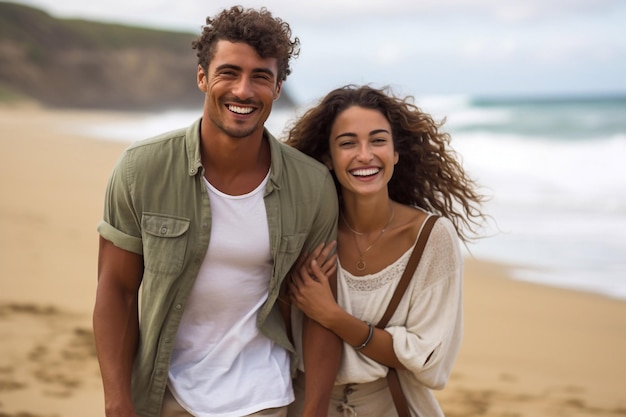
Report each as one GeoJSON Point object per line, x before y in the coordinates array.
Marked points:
{"type": "Point", "coordinates": [399, 400]}
{"type": "Point", "coordinates": [411, 265]}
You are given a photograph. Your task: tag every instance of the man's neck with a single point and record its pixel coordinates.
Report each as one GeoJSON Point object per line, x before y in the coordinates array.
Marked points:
{"type": "Point", "coordinates": [235, 166]}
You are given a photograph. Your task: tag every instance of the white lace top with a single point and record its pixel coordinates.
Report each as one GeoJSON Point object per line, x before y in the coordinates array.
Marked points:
{"type": "Point", "coordinates": [428, 319]}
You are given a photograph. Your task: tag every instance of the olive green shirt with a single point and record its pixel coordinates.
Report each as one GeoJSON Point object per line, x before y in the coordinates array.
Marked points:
{"type": "Point", "coordinates": [157, 206]}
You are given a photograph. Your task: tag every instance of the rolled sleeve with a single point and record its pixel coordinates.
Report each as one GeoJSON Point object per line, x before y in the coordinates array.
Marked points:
{"type": "Point", "coordinates": [121, 222]}
{"type": "Point", "coordinates": [120, 239]}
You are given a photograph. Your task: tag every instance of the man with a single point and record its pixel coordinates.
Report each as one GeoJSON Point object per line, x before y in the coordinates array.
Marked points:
{"type": "Point", "coordinates": [208, 221]}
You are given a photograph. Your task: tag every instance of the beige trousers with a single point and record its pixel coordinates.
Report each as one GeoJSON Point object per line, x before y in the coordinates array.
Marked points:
{"type": "Point", "coordinates": [372, 399]}
{"type": "Point", "coordinates": [171, 408]}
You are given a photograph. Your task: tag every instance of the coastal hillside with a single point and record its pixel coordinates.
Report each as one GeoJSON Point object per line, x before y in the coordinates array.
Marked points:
{"type": "Point", "coordinates": [74, 63]}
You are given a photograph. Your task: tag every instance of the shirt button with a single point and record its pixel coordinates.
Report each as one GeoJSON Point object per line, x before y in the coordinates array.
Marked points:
{"type": "Point", "coordinates": [178, 306]}
{"type": "Point", "coordinates": [205, 225]}
{"type": "Point", "coordinates": [163, 230]}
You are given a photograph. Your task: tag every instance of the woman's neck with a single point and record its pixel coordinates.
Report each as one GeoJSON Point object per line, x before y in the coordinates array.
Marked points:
{"type": "Point", "coordinates": [367, 216]}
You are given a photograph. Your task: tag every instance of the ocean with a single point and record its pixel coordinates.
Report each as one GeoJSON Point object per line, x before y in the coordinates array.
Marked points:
{"type": "Point", "coordinates": [554, 170]}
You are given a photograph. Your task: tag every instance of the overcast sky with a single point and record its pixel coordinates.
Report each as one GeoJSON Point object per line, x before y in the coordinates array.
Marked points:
{"type": "Point", "coordinates": [420, 47]}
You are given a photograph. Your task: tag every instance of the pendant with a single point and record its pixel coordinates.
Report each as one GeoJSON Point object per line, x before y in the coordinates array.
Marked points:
{"type": "Point", "coordinates": [360, 266]}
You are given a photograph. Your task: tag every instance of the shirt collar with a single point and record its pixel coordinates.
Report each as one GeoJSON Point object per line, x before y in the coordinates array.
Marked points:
{"type": "Point", "coordinates": [195, 161]}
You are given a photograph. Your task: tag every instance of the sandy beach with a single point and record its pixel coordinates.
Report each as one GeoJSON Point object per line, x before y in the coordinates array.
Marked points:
{"type": "Point", "coordinates": [528, 350]}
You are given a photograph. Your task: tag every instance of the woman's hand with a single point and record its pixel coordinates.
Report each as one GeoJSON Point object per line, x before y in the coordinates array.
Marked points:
{"type": "Point", "coordinates": [310, 289]}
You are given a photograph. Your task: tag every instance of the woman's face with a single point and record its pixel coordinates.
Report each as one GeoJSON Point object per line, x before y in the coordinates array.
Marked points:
{"type": "Point", "coordinates": [361, 151]}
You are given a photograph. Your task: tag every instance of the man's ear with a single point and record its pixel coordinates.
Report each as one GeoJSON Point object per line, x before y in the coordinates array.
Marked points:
{"type": "Point", "coordinates": [202, 81]}
{"type": "Point", "coordinates": [279, 87]}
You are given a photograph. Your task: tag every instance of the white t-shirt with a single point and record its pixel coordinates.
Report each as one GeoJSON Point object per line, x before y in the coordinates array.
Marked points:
{"type": "Point", "coordinates": [221, 364]}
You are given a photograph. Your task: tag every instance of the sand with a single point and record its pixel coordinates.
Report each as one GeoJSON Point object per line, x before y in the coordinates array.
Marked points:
{"type": "Point", "coordinates": [528, 350]}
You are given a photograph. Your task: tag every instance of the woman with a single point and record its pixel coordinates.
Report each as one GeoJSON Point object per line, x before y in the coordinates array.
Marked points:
{"type": "Point", "coordinates": [393, 169]}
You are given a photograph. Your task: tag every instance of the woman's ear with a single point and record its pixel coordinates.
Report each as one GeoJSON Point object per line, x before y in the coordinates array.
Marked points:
{"type": "Point", "coordinates": [396, 158]}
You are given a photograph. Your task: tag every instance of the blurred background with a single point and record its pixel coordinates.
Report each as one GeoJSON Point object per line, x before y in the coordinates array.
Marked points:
{"type": "Point", "coordinates": [533, 93]}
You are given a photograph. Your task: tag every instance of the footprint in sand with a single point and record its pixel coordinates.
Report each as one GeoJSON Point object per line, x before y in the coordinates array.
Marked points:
{"type": "Point", "coordinates": [46, 349]}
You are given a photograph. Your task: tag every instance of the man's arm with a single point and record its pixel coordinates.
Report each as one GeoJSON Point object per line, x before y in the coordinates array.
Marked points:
{"type": "Point", "coordinates": [116, 324]}
{"type": "Point", "coordinates": [321, 347]}
{"type": "Point", "coordinates": [322, 356]}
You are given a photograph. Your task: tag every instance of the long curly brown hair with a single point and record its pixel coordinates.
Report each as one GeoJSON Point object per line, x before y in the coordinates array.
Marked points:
{"type": "Point", "coordinates": [428, 174]}
{"type": "Point", "coordinates": [269, 36]}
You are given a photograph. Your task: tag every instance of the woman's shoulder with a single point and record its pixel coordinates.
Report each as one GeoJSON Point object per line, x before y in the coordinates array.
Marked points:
{"type": "Point", "coordinates": [411, 219]}
{"type": "Point", "coordinates": [415, 218]}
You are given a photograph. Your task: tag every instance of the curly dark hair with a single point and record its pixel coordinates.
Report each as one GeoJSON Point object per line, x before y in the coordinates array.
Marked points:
{"type": "Point", "coordinates": [268, 35]}
{"type": "Point", "coordinates": [428, 173]}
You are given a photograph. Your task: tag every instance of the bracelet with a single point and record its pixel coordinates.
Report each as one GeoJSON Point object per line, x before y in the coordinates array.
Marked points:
{"type": "Point", "coordinates": [369, 337]}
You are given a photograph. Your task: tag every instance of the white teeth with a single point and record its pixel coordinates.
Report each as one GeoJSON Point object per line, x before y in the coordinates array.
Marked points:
{"type": "Point", "coordinates": [240, 110]}
{"type": "Point", "coordinates": [365, 172]}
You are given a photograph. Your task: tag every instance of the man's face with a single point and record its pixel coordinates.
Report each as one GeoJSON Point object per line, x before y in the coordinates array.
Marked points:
{"type": "Point", "coordinates": [240, 88]}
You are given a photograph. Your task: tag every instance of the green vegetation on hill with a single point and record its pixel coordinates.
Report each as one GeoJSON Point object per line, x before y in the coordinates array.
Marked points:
{"type": "Point", "coordinates": [34, 27]}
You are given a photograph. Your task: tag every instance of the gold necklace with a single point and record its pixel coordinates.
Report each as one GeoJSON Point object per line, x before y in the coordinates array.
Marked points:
{"type": "Point", "coordinates": [361, 265]}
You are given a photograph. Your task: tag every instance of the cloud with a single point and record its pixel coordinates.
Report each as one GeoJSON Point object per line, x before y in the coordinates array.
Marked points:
{"type": "Point", "coordinates": [490, 50]}
{"type": "Point", "coordinates": [191, 13]}
{"type": "Point", "coordinates": [445, 46]}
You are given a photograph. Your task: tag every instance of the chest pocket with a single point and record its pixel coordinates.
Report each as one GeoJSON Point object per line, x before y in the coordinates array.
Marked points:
{"type": "Point", "coordinates": [165, 242]}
